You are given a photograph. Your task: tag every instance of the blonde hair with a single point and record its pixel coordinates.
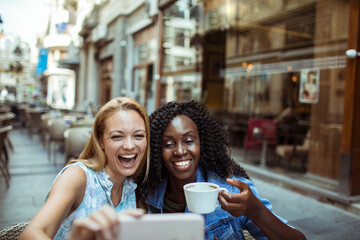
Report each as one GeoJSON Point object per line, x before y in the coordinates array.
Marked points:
{"type": "Point", "coordinates": [93, 156]}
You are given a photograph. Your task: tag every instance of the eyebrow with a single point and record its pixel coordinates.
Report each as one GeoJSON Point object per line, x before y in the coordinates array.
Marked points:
{"type": "Point", "coordinates": [183, 134]}
{"type": "Point", "coordinates": [119, 131]}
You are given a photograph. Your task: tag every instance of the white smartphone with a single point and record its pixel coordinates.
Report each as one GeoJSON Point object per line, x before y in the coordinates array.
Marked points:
{"type": "Point", "coordinates": [168, 226]}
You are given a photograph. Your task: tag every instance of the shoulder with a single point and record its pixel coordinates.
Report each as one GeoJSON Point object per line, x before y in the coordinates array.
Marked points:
{"type": "Point", "coordinates": [76, 170]}
{"type": "Point", "coordinates": [72, 177]}
{"type": "Point", "coordinates": [69, 186]}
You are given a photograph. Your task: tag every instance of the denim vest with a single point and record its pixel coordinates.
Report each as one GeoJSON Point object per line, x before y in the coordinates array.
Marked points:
{"type": "Point", "coordinates": [218, 224]}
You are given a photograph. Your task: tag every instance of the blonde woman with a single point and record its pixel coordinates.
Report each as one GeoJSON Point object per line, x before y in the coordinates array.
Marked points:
{"type": "Point", "coordinates": [84, 195]}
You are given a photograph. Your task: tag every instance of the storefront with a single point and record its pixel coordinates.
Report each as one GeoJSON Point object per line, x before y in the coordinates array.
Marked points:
{"type": "Point", "coordinates": [143, 68]}
{"type": "Point", "coordinates": [279, 64]}
{"type": "Point", "coordinates": [60, 88]}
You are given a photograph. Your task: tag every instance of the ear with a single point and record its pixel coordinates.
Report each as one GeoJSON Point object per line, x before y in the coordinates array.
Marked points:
{"type": "Point", "coordinates": [101, 144]}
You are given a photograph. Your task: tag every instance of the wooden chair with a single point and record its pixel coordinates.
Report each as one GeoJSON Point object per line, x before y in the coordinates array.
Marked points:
{"type": "Point", "coordinates": [6, 120]}
{"type": "Point", "coordinates": [33, 121]}
{"type": "Point", "coordinates": [4, 160]}
{"type": "Point", "coordinates": [13, 232]}
{"type": "Point", "coordinates": [288, 152]}
{"type": "Point", "coordinates": [22, 116]}
{"type": "Point", "coordinates": [5, 109]}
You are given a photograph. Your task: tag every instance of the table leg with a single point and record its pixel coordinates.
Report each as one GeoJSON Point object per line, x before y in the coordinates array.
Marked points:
{"type": "Point", "coordinates": [263, 153]}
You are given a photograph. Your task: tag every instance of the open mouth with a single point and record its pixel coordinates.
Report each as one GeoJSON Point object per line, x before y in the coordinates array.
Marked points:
{"type": "Point", "coordinates": [182, 164]}
{"type": "Point", "coordinates": [127, 160]}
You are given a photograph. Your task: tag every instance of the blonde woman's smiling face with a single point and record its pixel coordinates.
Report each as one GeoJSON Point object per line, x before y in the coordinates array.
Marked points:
{"type": "Point", "coordinates": [124, 143]}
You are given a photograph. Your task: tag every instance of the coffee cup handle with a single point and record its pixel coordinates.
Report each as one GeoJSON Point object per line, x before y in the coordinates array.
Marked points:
{"type": "Point", "coordinates": [223, 189]}
{"type": "Point", "coordinates": [220, 190]}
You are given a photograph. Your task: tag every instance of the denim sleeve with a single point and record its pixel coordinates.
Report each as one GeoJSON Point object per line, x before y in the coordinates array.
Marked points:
{"type": "Point", "coordinates": [248, 224]}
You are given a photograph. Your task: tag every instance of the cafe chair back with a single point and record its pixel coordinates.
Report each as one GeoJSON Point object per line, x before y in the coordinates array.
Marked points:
{"type": "Point", "coordinates": [6, 120]}
{"type": "Point", "coordinates": [247, 235]}
{"type": "Point", "coordinates": [75, 141]}
{"type": "Point", "coordinates": [13, 232]}
{"type": "Point", "coordinates": [45, 118]}
{"type": "Point", "coordinates": [21, 109]}
{"type": "Point", "coordinates": [295, 150]}
{"type": "Point", "coordinates": [4, 157]}
{"type": "Point", "coordinates": [57, 128]}
{"type": "Point", "coordinates": [33, 121]}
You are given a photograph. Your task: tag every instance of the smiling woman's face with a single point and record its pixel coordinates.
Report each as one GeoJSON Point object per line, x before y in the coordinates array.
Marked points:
{"type": "Point", "coordinates": [124, 143]}
{"type": "Point", "coordinates": [181, 149]}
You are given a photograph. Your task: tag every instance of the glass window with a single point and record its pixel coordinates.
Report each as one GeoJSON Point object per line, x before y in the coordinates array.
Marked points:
{"type": "Point", "coordinates": [179, 28]}
{"type": "Point", "coordinates": [276, 59]}
{"type": "Point", "coordinates": [145, 52]}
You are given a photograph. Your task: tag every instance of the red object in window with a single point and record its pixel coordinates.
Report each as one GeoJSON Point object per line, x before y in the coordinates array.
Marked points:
{"type": "Point", "coordinates": [258, 130]}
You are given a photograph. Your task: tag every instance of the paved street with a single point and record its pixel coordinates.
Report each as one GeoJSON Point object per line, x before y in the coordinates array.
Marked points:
{"type": "Point", "coordinates": [32, 175]}
{"type": "Point", "coordinates": [315, 219]}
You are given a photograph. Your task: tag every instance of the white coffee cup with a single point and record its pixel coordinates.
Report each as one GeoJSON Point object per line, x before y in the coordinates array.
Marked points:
{"type": "Point", "coordinates": [202, 197]}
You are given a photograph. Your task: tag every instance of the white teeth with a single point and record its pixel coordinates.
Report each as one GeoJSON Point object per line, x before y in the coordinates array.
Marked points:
{"type": "Point", "coordinates": [182, 163]}
{"type": "Point", "coordinates": [127, 156]}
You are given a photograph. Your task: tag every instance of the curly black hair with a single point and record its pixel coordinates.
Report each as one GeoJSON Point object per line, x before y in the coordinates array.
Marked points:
{"type": "Point", "coordinates": [215, 150]}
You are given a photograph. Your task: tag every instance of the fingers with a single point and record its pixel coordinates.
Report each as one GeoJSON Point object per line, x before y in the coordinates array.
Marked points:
{"type": "Point", "coordinates": [83, 229]}
{"type": "Point", "coordinates": [236, 197]}
{"type": "Point", "coordinates": [236, 209]}
{"type": "Point", "coordinates": [236, 203]}
{"type": "Point", "coordinates": [237, 183]}
{"type": "Point", "coordinates": [107, 218]}
{"type": "Point", "coordinates": [228, 200]}
{"type": "Point", "coordinates": [104, 224]}
{"type": "Point", "coordinates": [138, 212]}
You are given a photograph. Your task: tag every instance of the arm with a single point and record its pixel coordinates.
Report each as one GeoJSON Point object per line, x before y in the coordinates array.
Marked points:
{"type": "Point", "coordinates": [65, 195]}
{"type": "Point", "coordinates": [246, 203]}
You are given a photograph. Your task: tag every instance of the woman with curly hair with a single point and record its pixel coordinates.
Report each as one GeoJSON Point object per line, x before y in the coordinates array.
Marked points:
{"type": "Point", "coordinates": [188, 145]}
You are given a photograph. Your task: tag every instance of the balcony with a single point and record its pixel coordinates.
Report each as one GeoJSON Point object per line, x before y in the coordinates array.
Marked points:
{"type": "Point", "coordinates": [57, 41]}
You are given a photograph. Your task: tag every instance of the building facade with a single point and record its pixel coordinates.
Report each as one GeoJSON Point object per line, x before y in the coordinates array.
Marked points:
{"type": "Point", "coordinates": [278, 60]}
{"type": "Point", "coordinates": [58, 76]}
{"type": "Point", "coordinates": [17, 79]}
{"type": "Point", "coordinates": [118, 52]}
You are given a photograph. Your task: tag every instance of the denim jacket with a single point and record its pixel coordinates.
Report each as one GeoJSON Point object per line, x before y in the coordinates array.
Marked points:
{"type": "Point", "coordinates": [218, 224]}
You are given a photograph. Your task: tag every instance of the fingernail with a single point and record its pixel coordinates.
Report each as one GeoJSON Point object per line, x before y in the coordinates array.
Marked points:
{"type": "Point", "coordinates": [227, 194]}
{"type": "Point", "coordinates": [139, 211]}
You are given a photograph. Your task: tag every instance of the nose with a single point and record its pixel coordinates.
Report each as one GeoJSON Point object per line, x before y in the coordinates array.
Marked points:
{"type": "Point", "coordinates": [128, 143]}
{"type": "Point", "coordinates": [180, 150]}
